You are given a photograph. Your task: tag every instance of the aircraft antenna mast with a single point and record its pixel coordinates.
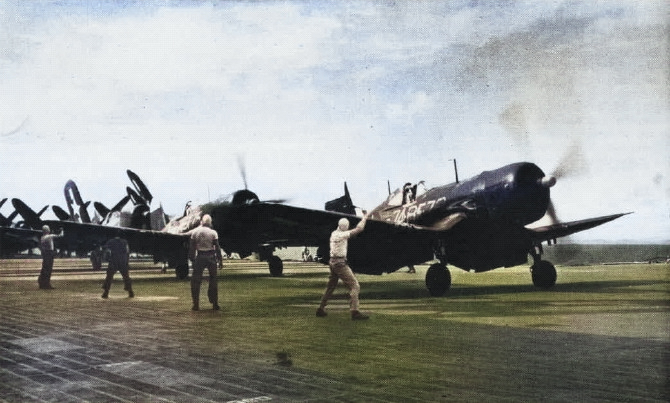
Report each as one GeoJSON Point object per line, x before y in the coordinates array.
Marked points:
{"type": "Point", "coordinates": [455, 169]}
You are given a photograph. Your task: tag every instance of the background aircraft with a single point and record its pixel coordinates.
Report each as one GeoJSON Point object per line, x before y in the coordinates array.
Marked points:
{"type": "Point", "coordinates": [16, 237]}
{"type": "Point", "coordinates": [83, 234]}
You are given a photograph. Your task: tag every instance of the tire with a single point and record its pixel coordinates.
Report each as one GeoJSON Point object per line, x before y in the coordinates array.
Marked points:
{"type": "Point", "coordinates": [438, 280]}
{"type": "Point", "coordinates": [543, 274]}
{"type": "Point", "coordinates": [276, 266]}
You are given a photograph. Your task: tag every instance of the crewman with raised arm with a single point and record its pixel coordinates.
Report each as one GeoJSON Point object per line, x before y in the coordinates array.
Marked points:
{"type": "Point", "coordinates": [339, 268]}
{"type": "Point", "coordinates": [48, 252]}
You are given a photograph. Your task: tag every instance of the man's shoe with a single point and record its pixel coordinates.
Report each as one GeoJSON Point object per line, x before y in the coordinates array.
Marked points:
{"type": "Point", "coordinates": [216, 307]}
{"type": "Point", "coordinates": [321, 313]}
{"type": "Point", "coordinates": [131, 294]}
{"type": "Point", "coordinates": [195, 307]}
{"type": "Point", "coordinates": [356, 315]}
{"type": "Point", "coordinates": [104, 295]}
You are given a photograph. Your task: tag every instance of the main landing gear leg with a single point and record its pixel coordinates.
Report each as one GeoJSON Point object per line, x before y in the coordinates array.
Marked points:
{"type": "Point", "coordinates": [438, 279]}
{"type": "Point", "coordinates": [542, 272]}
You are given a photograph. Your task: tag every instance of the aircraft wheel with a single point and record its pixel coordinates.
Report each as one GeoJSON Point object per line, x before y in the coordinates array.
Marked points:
{"type": "Point", "coordinates": [276, 266]}
{"type": "Point", "coordinates": [543, 274]}
{"type": "Point", "coordinates": [438, 280]}
{"type": "Point", "coordinates": [181, 271]}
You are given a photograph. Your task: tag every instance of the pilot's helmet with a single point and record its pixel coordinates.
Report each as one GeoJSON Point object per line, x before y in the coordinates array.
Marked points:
{"type": "Point", "coordinates": [407, 186]}
{"type": "Point", "coordinates": [343, 224]}
{"type": "Point", "coordinates": [46, 229]}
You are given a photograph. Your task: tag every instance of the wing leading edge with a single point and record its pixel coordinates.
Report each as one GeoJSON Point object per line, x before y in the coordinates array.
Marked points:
{"type": "Point", "coordinates": [550, 232]}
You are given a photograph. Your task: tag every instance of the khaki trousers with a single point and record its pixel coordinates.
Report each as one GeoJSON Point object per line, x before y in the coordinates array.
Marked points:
{"type": "Point", "coordinates": [340, 270]}
{"type": "Point", "coordinates": [44, 279]}
{"type": "Point", "coordinates": [120, 265]}
{"type": "Point", "coordinates": [202, 262]}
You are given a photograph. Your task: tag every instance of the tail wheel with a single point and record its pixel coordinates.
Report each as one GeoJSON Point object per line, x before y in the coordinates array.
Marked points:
{"type": "Point", "coordinates": [438, 280]}
{"type": "Point", "coordinates": [543, 274]}
{"type": "Point", "coordinates": [276, 266]}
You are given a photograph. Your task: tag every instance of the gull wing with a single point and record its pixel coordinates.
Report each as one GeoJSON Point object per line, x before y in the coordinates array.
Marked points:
{"type": "Point", "coordinates": [550, 232]}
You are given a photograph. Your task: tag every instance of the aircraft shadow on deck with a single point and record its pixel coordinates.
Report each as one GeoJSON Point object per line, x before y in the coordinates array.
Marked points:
{"type": "Point", "coordinates": [413, 290]}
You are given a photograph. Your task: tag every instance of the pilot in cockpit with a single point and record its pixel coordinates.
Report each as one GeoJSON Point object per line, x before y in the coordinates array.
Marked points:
{"type": "Point", "coordinates": [408, 195]}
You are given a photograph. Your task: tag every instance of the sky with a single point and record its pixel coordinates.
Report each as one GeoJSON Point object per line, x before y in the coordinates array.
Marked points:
{"type": "Point", "coordinates": [310, 94]}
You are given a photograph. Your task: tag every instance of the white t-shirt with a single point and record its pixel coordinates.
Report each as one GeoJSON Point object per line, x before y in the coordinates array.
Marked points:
{"type": "Point", "coordinates": [339, 241]}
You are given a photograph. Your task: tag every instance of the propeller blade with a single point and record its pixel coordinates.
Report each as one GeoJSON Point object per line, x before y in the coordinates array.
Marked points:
{"type": "Point", "coordinates": [275, 201]}
{"type": "Point", "coordinates": [248, 195]}
{"type": "Point", "coordinates": [551, 213]}
{"type": "Point", "coordinates": [243, 171]}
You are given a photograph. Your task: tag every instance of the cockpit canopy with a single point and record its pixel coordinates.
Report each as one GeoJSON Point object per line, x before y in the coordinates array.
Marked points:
{"type": "Point", "coordinates": [400, 196]}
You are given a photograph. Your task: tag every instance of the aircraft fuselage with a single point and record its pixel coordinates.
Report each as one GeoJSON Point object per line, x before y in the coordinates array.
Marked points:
{"type": "Point", "coordinates": [479, 222]}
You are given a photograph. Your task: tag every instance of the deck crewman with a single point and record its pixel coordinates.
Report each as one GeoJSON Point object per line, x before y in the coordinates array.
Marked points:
{"type": "Point", "coordinates": [48, 253]}
{"type": "Point", "coordinates": [205, 252]}
{"type": "Point", "coordinates": [339, 268]}
{"type": "Point", "coordinates": [119, 254]}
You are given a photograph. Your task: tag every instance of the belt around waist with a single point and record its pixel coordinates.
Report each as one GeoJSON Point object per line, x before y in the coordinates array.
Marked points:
{"type": "Point", "coordinates": [206, 252]}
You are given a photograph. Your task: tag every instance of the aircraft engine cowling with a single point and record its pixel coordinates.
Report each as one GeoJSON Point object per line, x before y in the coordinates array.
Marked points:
{"type": "Point", "coordinates": [244, 197]}
{"type": "Point", "coordinates": [516, 193]}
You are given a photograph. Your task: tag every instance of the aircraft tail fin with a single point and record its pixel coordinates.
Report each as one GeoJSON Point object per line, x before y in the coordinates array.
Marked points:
{"type": "Point", "coordinates": [83, 212]}
{"type": "Point", "coordinates": [157, 219]}
{"type": "Point", "coordinates": [342, 204]}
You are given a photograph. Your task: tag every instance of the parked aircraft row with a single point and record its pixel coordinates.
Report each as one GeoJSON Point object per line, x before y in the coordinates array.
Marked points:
{"type": "Point", "coordinates": [478, 224]}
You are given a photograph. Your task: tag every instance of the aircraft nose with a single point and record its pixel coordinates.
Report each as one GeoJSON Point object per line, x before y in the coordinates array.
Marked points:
{"type": "Point", "coordinates": [547, 181]}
